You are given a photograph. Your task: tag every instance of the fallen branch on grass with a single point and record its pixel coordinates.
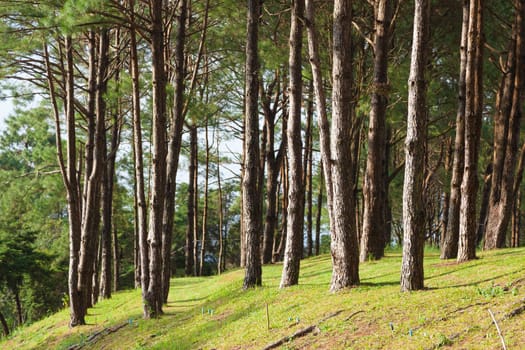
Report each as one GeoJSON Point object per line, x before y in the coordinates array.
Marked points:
{"type": "Point", "coordinates": [499, 330]}
{"type": "Point", "coordinates": [301, 332]}
{"type": "Point", "coordinates": [94, 337]}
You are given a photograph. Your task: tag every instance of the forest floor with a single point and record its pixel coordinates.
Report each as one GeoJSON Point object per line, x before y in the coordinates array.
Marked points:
{"type": "Point", "coordinates": [215, 313]}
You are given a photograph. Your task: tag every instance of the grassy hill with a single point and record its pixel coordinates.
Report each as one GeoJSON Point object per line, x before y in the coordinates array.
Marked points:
{"type": "Point", "coordinates": [214, 313]}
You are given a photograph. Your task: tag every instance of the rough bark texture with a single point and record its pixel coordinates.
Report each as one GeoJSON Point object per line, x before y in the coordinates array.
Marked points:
{"type": "Point", "coordinates": [307, 178]}
{"type": "Point", "coordinates": [193, 199]}
{"type": "Point", "coordinates": [473, 114]}
{"type": "Point", "coordinates": [107, 212]}
{"type": "Point", "coordinates": [175, 138]}
{"type": "Point", "coordinates": [449, 248]}
{"type": "Point", "coordinates": [295, 221]}
{"type": "Point", "coordinates": [154, 300]}
{"type": "Point", "coordinates": [344, 244]}
{"type": "Point", "coordinates": [373, 237]}
{"type": "Point", "coordinates": [415, 145]}
{"type": "Point", "coordinates": [250, 180]}
{"type": "Point", "coordinates": [72, 187]}
{"type": "Point", "coordinates": [507, 122]}
{"type": "Point", "coordinates": [273, 164]}
{"type": "Point", "coordinates": [140, 197]}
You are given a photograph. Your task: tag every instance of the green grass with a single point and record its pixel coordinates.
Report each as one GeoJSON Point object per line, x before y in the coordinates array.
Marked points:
{"type": "Point", "coordinates": [214, 312]}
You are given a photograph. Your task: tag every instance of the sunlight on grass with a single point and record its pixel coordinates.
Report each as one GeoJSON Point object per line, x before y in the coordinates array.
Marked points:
{"type": "Point", "coordinates": [215, 313]}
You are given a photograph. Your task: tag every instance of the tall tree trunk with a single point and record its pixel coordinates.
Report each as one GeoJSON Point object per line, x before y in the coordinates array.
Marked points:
{"type": "Point", "coordinates": [221, 209]}
{"type": "Point", "coordinates": [140, 194]}
{"type": "Point", "coordinates": [516, 222]}
{"type": "Point", "coordinates": [307, 167]}
{"type": "Point", "coordinates": [344, 244]}
{"type": "Point", "coordinates": [273, 165]}
{"type": "Point", "coordinates": [251, 194]}
{"type": "Point", "coordinates": [295, 222]}
{"type": "Point", "coordinates": [412, 274]}
{"type": "Point", "coordinates": [279, 248]}
{"type": "Point", "coordinates": [373, 238]}
{"type": "Point", "coordinates": [473, 115]}
{"type": "Point", "coordinates": [73, 192]}
{"type": "Point", "coordinates": [194, 170]}
{"type": "Point", "coordinates": [95, 279]}
{"type": "Point", "coordinates": [319, 211]}
{"type": "Point", "coordinates": [449, 248]}
{"type": "Point", "coordinates": [107, 210]}
{"type": "Point", "coordinates": [205, 208]}
{"type": "Point", "coordinates": [336, 143]}
{"type": "Point", "coordinates": [189, 256]}
{"type": "Point", "coordinates": [18, 304]}
{"type": "Point", "coordinates": [91, 212]}
{"type": "Point", "coordinates": [154, 296]}
{"type": "Point", "coordinates": [174, 147]}
{"type": "Point", "coordinates": [485, 197]}
{"type": "Point", "coordinates": [507, 122]}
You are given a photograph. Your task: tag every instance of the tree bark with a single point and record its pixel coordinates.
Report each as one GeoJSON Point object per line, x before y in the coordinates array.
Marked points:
{"type": "Point", "coordinates": [295, 221]}
{"type": "Point", "coordinates": [251, 194]}
{"type": "Point", "coordinates": [373, 238]}
{"type": "Point", "coordinates": [319, 211]}
{"type": "Point", "coordinates": [205, 209]}
{"type": "Point", "coordinates": [174, 147]}
{"type": "Point", "coordinates": [194, 173]}
{"type": "Point", "coordinates": [154, 296]}
{"type": "Point", "coordinates": [507, 122]}
{"type": "Point", "coordinates": [344, 244]}
{"type": "Point", "coordinates": [140, 196]}
{"type": "Point", "coordinates": [473, 115]}
{"type": "Point", "coordinates": [449, 248]}
{"type": "Point", "coordinates": [307, 167]}
{"type": "Point", "coordinates": [412, 275]}
{"type": "Point", "coordinates": [273, 165]}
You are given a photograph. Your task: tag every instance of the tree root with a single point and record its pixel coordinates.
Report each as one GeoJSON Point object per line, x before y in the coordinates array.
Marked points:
{"type": "Point", "coordinates": [304, 331]}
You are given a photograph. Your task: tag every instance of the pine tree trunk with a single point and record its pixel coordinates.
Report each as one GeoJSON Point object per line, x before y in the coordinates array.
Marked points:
{"type": "Point", "coordinates": [449, 248]}
{"type": "Point", "coordinates": [295, 221]}
{"type": "Point", "coordinates": [154, 299]}
{"type": "Point", "coordinates": [473, 115]}
{"type": "Point", "coordinates": [506, 138]}
{"type": "Point", "coordinates": [483, 211]}
{"type": "Point", "coordinates": [92, 205]}
{"type": "Point", "coordinates": [307, 167]}
{"type": "Point", "coordinates": [412, 276]}
{"type": "Point", "coordinates": [319, 211]}
{"type": "Point", "coordinates": [174, 147]}
{"type": "Point", "coordinates": [344, 244]}
{"type": "Point", "coordinates": [194, 173]}
{"type": "Point", "coordinates": [221, 209]}
{"type": "Point", "coordinates": [372, 240]}
{"type": "Point", "coordinates": [138, 160]}
{"type": "Point", "coordinates": [205, 209]}
{"type": "Point", "coordinates": [251, 194]}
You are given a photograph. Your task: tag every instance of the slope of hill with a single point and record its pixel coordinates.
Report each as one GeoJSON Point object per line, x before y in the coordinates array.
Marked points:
{"type": "Point", "coordinates": [214, 313]}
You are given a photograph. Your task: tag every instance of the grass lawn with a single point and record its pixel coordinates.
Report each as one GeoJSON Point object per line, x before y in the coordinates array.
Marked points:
{"type": "Point", "coordinates": [214, 312]}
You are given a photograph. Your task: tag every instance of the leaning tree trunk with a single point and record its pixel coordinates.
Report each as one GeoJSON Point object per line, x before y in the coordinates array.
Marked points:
{"type": "Point", "coordinates": [295, 221]}
{"type": "Point", "coordinates": [473, 115]}
{"type": "Point", "coordinates": [449, 248]}
{"type": "Point", "coordinates": [506, 137]}
{"type": "Point", "coordinates": [251, 194]}
{"type": "Point", "coordinates": [372, 239]}
{"type": "Point", "coordinates": [412, 276]}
